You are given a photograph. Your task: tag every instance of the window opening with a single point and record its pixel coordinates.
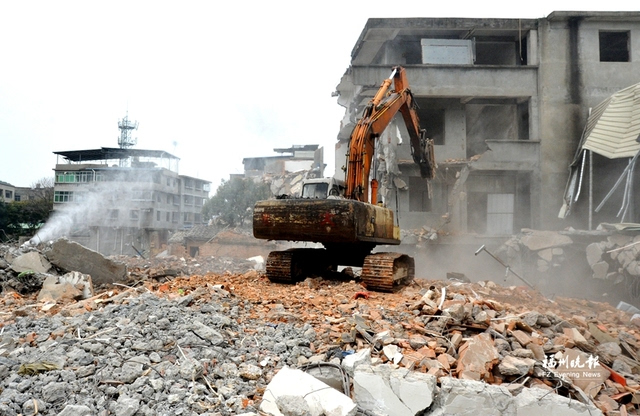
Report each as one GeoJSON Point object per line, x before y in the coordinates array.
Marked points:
{"type": "Point", "coordinates": [614, 46]}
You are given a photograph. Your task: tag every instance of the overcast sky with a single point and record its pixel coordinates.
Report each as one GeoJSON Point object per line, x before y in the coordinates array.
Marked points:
{"type": "Point", "coordinates": [211, 82]}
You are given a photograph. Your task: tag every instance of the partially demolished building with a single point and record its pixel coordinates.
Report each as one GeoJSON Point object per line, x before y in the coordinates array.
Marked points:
{"type": "Point", "coordinates": [506, 102]}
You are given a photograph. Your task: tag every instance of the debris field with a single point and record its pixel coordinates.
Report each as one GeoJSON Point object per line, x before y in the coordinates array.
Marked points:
{"type": "Point", "coordinates": [213, 336]}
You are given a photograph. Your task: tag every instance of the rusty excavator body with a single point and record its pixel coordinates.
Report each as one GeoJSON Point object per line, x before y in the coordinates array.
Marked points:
{"type": "Point", "coordinates": [344, 216]}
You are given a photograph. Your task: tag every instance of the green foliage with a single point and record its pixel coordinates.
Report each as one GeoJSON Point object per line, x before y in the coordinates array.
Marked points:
{"type": "Point", "coordinates": [23, 218]}
{"type": "Point", "coordinates": [234, 200]}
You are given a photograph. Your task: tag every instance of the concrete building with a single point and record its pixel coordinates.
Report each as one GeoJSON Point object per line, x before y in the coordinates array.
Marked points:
{"type": "Point", "coordinates": [506, 102]}
{"type": "Point", "coordinates": [296, 158]}
{"type": "Point", "coordinates": [10, 193]}
{"type": "Point", "coordinates": [119, 200]}
{"type": "Point", "coordinates": [286, 171]}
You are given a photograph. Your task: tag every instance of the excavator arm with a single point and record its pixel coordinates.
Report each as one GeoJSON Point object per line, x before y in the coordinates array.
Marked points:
{"type": "Point", "coordinates": [375, 119]}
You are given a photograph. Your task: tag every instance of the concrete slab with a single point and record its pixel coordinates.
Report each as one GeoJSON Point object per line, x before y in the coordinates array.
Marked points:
{"type": "Point", "coordinates": [280, 397]}
{"type": "Point", "coordinates": [472, 398]}
{"type": "Point", "coordinates": [71, 256]}
{"type": "Point", "coordinates": [33, 261]}
{"type": "Point", "coordinates": [535, 402]}
{"type": "Point", "coordinates": [537, 240]}
{"type": "Point", "coordinates": [387, 390]}
{"type": "Point", "coordinates": [350, 362]}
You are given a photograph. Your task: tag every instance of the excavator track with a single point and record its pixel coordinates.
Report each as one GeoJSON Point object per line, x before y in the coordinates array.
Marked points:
{"type": "Point", "coordinates": [293, 265]}
{"type": "Point", "coordinates": [278, 266]}
{"type": "Point", "coordinates": [387, 272]}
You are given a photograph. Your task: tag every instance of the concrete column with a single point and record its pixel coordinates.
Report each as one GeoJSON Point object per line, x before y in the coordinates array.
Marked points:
{"type": "Point", "coordinates": [532, 48]}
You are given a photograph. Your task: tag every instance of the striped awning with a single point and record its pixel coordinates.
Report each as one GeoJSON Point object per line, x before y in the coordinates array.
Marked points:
{"type": "Point", "coordinates": [614, 125]}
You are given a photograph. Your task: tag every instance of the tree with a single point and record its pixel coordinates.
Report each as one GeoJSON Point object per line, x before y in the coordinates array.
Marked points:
{"type": "Point", "coordinates": [26, 216]}
{"type": "Point", "coordinates": [234, 199]}
{"type": "Point", "coordinates": [43, 189]}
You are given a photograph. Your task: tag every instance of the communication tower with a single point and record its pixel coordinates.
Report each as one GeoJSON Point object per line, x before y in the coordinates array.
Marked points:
{"type": "Point", "coordinates": [125, 140]}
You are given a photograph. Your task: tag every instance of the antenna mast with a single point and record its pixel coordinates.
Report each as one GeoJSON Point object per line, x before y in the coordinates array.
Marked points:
{"type": "Point", "coordinates": [125, 140]}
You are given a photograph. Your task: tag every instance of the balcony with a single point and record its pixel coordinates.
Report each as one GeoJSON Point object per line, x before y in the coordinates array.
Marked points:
{"type": "Point", "coordinates": [455, 80]}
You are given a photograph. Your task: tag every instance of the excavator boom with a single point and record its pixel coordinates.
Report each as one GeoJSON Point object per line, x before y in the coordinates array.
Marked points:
{"type": "Point", "coordinates": [376, 117]}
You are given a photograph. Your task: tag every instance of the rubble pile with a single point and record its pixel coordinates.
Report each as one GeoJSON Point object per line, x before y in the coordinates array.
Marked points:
{"type": "Point", "coordinates": [289, 183]}
{"type": "Point", "coordinates": [170, 340]}
{"type": "Point", "coordinates": [168, 267]}
{"type": "Point", "coordinates": [615, 259]}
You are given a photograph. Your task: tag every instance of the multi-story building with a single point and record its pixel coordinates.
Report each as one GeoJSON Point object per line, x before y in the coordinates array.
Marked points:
{"type": "Point", "coordinates": [120, 201]}
{"type": "Point", "coordinates": [505, 101]}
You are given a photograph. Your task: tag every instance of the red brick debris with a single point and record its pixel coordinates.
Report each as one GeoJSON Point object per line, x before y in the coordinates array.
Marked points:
{"type": "Point", "coordinates": [511, 336]}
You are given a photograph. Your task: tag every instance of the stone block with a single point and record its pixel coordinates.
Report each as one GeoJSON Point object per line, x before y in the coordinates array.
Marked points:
{"type": "Point", "coordinates": [594, 253]}
{"type": "Point", "coordinates": [71, 286]}
{"type": "Point", "coordinates": [515, 366]}
{"type": "Point", "coordinates": [600, 270]}
{"type": "Point", "coordinates": [478, 355]}
{"type": "Point", "coordinates": [522, 338]}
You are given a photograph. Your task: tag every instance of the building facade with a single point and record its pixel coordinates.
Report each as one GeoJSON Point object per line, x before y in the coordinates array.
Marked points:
{"type": "Point", "coordinates": [7, 192]}
{"type": "Point", "coordinates": [296, 158]}
{"type": "Point", "coordinates": [505, 101]}
{"type": "Point", "coordinates": [125, 201]}
{"type": "Point", "coordinates": [10, 193]}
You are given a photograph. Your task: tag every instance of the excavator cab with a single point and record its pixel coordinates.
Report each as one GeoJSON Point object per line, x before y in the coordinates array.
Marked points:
{"type": "Point", "coordinates": [323, 188]}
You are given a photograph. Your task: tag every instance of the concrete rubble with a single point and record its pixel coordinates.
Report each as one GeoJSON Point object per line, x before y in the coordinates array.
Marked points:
{"type": "Point", "coordinates": [212, 336]}
{"type": "Point", "coordinates": [71, 256]}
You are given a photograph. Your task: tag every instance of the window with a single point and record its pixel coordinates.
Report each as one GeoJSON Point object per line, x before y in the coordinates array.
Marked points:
{"type": "Point", "coordinates": [447, 51]}
{"type": "Point", "coordinates": [419, 200]}
{"type": "Point", "coordinates": [8, 194]}
{"type": "Point", "coordinates": [78, 177]}
{"type": "Point", "coordinates": [432, 120]}
{"type": "Point", "coordinates": [500, 213]}
{"type": "Point", "coordinates": [113, 214]}
{"type": "Point", "coordinates": [157, 215]}
{"type": "Point", "coordinates": [614, 46]}
{"type": "Point", "coordinates": [174, 216]}
{"type": "Point", "coordinates": [134, 214]}
{"type": "Point", "coordinates": [315, 190]}
{"type": "Point", "coordinates": [63, 196]}
{"type": "Point", "coordinates": [141, 195]}
{"type": "Point", "coordinates": [168, 216]}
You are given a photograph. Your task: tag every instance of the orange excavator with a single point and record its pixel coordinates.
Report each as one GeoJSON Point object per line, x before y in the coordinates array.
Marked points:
{"type": "Point", "coordinates": [344, 216]}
